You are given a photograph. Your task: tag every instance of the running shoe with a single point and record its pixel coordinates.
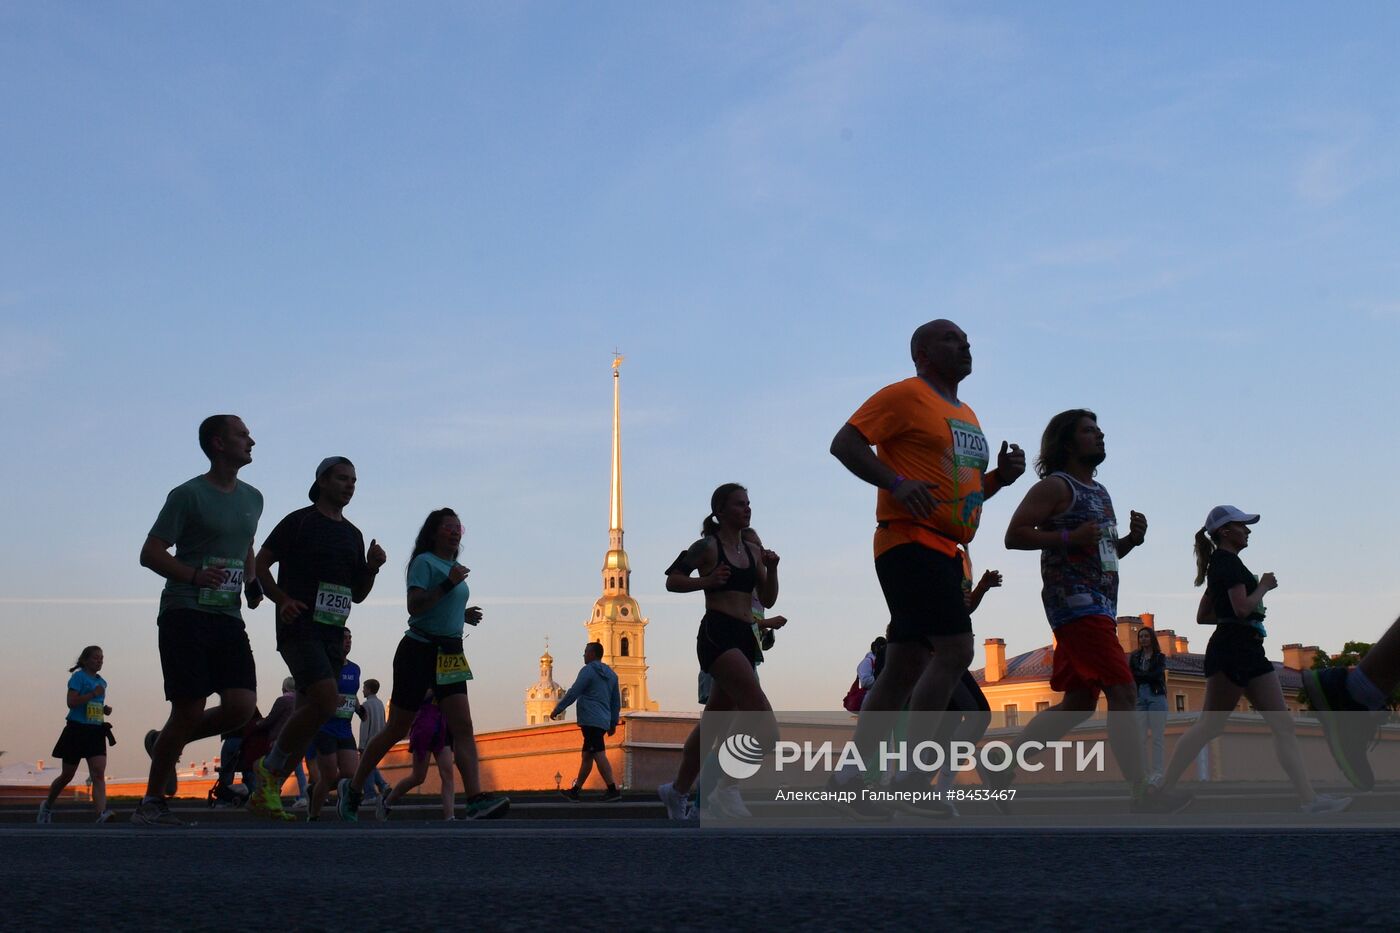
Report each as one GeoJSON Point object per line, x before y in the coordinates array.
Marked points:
{"type": "Point", "coordinates": [858, 804]}
{"type": "Point", "coordinates": [45, 813]}
{"type": "Point", "coordinates": [484, 806]}
{"type": "Point", "coordinates": [155, 813]}
{"type": "Point", "coordinates": [1153, 799]}
{"type": "Point", "coordinates": [105, 816]}
{"type": "Point", "coordinates": [924, 806]}
{"type": "Point", "coordinates": [301, 803]}
{"type": "Point", "coordinates": [172, 783]}
{"type": "Point", "coordinates": [265, 800]}
{"type": "Point", "coordinates": [381, 808]}
{"type": "Point", "coordinates": [726, 803]}
{"type": "Point", "coordinates": [1348, 725]}
{"type": "Point", "coordinates": [612, 795]}
{"type": "Point", "coordinates": [998, 781]}
{"type": "Point", "coordinates": [1325, 803]}
{"type": "Point", "coordinates": [571, 794]}
{"type": "Point", "coordinates": [677, 806]}
{"type": "Point", "coordinates": [347, 802]}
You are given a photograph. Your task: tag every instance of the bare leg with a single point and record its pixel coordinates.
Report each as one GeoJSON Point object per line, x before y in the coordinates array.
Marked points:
{"type": "Point", "coordinates": [189, 721]}
{"type": "Point", "coordinates": [415, 778]}
{"type": "Point", "coordinates": [400, 720]}
{"type": "Point", "coordinates": [97, 770]}
{"type": "Point", "coordinates": [1266, 695]}
{"type": "Point", "coordinates": [449, 790]}
{"type": "Point", "coordinates": [65, 777]}
{"type": "Point", "coordinates": [1221, 697]}
{"type": "Point", "coordinates": [457, 710]}
{"type": "Point", "coordinates": [585, 768]}
{"type": "Point", "coordinates": [1381, 665]}
{"type": "Point", "coordinates": [604, 767]}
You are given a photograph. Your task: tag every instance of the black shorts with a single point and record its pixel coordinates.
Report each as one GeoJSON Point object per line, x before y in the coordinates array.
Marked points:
{"type": "Point", "coordinates": [1237, 651]}
{"type": "Point", "coordinates": [326, 744]}
{"type": "Point", "coordinates": [312, 657]}
{"type": "Point", "coordinates": [594, 739]}
{"type": "Point", "coordinates": [923, 589]}
{"type": "Point", "coordinates": [203, 653]}
{"type": "Point", "coordinates": [415, 673]}
{"type": "Point", "coordinates": [80, 740]}
{"type": "Point", "coordinates": [719, 632]}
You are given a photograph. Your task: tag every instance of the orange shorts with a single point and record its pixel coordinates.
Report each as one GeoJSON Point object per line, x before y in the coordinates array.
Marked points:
{"type": "Point", "coordinates": [1088, 656]}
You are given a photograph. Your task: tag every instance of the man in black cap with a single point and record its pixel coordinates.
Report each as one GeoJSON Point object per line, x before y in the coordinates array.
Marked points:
{"type": "Point", "coordinates": [323, 569]}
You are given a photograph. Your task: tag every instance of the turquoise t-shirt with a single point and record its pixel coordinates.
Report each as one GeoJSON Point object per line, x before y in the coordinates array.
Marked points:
{"type": "Point", "coordinates": [209, 528]}
{"type": "Point", "coordinates": [449, 615]}
{"type": "Point", "coordinates": [89, 714]}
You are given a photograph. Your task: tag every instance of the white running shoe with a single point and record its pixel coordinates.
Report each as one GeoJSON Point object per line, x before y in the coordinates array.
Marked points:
{"type": "Point", "coordinates": [677, 806]}
{"type": "Point", "coordinates": [301, 803]}
{"type": "Point", "coordinates": [1325, 803]}
{"type": "Point", "coordinates": [45, 813]}
{"type": "Point", "coordinates": [727, 803]}
{"type": "Point", "coordinates": [105, 816]}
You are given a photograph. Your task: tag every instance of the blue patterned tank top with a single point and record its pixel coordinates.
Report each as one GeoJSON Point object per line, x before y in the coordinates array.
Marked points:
{"type": "Point", "coordinates": [1081, 581]}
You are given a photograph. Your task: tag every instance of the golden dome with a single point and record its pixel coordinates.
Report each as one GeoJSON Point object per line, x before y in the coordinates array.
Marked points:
{"type": "Point", "coordinates": [616, 560]}
{"type": "Point", "coordinates": [619, 608]}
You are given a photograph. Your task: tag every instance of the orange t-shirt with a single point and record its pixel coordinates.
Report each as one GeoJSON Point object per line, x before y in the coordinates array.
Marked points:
{"type": "Point", "coordinates": [922, 436]}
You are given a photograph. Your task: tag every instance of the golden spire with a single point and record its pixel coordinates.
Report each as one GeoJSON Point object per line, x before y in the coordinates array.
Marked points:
{"type": "Point", "coordinates": [615, 503]}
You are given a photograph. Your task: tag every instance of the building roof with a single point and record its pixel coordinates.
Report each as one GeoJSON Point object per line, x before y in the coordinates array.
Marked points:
{"type": "Point", "coordinates": [1036, 665]}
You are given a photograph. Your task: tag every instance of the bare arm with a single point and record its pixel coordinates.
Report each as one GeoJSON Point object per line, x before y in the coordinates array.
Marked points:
{"type": "Point", "coordinates": [1246, 605]}
{"type": "Point", "coordinates": [1044, 501]}
{"type": "Point", "coordinates": [421, 600]}
{"type": "Point", "coordinates": [767, 570]}
{"type": "Point", "coordinates": [700, 555]}
{"type": "Point", "coordinates": [854, 451]}
{"type": "Point", "coordinates": [156, 556]}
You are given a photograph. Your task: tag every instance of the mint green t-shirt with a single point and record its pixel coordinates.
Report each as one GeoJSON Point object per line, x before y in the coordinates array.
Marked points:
{"type": "Point", "coordinates": [448, 617]}
{"type": "Point", "coordinates": [209, 528]}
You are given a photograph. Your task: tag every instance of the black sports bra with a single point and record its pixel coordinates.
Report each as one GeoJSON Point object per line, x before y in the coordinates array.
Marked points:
{"type": "Point", "coordinates": [741, 579]}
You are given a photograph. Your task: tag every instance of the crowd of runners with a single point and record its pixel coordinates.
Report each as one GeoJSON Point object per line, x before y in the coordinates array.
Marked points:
{"type": "Point", "coordinates": [916, 441]}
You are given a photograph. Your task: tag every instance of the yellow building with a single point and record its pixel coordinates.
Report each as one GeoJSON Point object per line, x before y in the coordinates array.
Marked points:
{"type": "Point", "coordinates": [1019, 686]}
{"type": "Point", "coordinates": [543, 695]}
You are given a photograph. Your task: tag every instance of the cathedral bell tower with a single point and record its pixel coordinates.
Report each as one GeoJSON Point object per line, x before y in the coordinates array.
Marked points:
{"type": "Point", "coordinates": [617, 622]}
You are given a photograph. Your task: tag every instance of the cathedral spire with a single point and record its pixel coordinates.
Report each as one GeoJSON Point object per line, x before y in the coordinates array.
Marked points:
{"type": "Point", "coordinates": [615, 497]}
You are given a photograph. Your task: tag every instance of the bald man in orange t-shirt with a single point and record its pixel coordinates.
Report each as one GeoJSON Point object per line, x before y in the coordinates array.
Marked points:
{"type": "Point", "coordinates": [930, 464]}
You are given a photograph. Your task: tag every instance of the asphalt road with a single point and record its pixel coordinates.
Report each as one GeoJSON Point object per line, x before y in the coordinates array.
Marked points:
{"type": "Point", "coordinates": [638, 875]}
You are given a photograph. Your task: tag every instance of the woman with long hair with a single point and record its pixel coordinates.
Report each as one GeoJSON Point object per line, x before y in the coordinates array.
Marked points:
{"type": "Point", "coordinates": [84, 736]}
{"type": "Point", "coordinates": [731, 565]}
{"type": "Point", "coordinates": [1150, 674]}
{"type": "Point", "coordinates": [430, 660]}
{"type": "Point", "coordinates": [1235, 663]}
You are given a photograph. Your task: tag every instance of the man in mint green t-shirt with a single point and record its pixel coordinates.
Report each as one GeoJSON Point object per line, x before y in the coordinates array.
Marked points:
{"type": "Point", "coordinates": [210, 521]}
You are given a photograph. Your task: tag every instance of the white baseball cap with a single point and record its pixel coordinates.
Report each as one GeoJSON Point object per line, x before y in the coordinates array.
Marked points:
{"type": "Point", "coordinates": [1222, 515]}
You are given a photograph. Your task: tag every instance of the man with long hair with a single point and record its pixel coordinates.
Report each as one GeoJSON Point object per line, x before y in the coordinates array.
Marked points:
{"type": "Point", "coordinates": [1069, 518]}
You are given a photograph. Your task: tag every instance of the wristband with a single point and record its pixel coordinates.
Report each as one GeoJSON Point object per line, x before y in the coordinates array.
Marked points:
{"type": "Point", "coordinates": [447, 586]}
{"type": "Point", "coordinates": [895, 484]}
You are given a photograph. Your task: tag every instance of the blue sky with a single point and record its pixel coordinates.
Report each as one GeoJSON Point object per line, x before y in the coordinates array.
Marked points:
{"type": "Point", "coordinates": [413, 236]}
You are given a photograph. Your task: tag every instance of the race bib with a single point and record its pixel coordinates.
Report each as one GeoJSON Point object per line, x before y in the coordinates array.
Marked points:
{"type": "Point", "coordinates": [346, 710]}
{"type": "Point", "coordinates": [969, 445]}
{"type": "Point", "coordinates": [1108, 547]}
{"type": "Point", "coordinates": [94, 712]}
{"type": "Point", "coordinates": [226, 594]}
{"type": "Point", "coordinates": [452, 668]}
{"type": "Point", "coordinates": [332, 604]}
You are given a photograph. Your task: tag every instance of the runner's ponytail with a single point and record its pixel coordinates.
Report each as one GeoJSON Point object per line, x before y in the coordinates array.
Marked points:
{"type": "Point", "coordinates": [87, 653]}
{"type": "Point", "coordinates": [1205, 547]}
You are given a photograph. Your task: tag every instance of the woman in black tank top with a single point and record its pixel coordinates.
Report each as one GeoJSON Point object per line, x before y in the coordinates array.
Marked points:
{"type": "Point", "coordinates": [730, 565]}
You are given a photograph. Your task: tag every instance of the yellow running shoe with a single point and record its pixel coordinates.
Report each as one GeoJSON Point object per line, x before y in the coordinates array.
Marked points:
{"type": "Point", "coordinates": [266, 801]}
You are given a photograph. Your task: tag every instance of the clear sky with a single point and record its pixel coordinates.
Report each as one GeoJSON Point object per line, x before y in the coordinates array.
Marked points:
{"type": "Point", "coordinates": [413, 234]}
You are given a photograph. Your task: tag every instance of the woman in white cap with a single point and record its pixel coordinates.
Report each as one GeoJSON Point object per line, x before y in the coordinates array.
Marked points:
{"type": "Point", "coordinates": [1235, 664]}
